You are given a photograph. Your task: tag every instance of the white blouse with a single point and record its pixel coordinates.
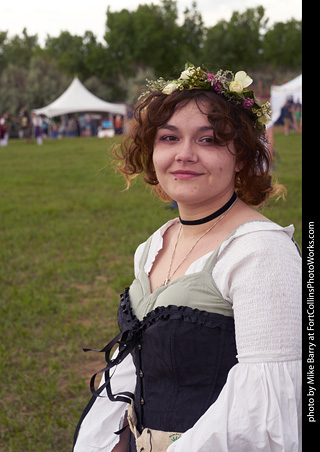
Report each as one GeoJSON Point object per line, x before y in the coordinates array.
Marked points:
{"type": "Point", "coordinates": [259, 409]}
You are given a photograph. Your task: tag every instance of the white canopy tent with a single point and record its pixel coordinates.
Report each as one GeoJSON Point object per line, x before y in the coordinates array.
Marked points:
{"type": "Point", "coordinates": [77, 99]}
{"type": "Point", "coordinates": [279, 95]}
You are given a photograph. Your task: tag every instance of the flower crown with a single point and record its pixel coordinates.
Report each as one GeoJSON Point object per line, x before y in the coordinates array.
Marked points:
{"type": "Point", "coordinates": [232, 87]}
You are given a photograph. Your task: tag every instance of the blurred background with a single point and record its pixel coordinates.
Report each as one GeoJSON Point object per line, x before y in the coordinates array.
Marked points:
{"type": "Point", "coordinates": [70, 72]}
{"type": "Point", "coordinates": [113, 46]}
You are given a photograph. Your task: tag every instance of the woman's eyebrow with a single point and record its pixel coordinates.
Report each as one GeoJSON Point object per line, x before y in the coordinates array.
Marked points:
{"type": "Point", "coordinates": [172, 127]}
{"type": "Point", "coordinates": [206, 128]}
{"type": "Point", "coordinates": [168, 127]}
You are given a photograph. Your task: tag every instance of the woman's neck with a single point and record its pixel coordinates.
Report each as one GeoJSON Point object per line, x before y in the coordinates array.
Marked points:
{"type": "Point", "coordinates": [212, 216]}
{"type": "Point", "coordinates": [200, 217]}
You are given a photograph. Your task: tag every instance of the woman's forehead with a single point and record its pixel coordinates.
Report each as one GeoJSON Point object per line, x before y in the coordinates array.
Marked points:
{"type": "Point", "coordinates": [191, 111]}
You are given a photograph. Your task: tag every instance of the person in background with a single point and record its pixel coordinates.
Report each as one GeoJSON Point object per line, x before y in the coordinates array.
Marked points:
{"type": "Point", "coordinates": [209, 349]}
{"type": "Point", "coordinates": [298, 117]}
{"type": "Point", "coordinates": [3, 132]}
{"type": "Point", "coordinates": [37, 128]}
{"type": "Point", "coordinates": [287, 116]}
{"type": "Point", "coordinates": [118, 125]}
{"type": "Point", "coordinates": [25, 128]}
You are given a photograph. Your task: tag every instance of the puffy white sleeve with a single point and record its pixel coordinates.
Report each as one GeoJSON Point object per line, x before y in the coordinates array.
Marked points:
{"type": "Point", "coordinates": [97, 431]}
{"type": "Point", "coordinates": [259, 408]}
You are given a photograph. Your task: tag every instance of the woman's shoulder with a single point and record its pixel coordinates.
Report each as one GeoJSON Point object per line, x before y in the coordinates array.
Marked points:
{"type": "Point", "coordinates": [260, 236]}
{"type": "Point", "coordinates": [154, 242]}
{"type": "Point", "coordinates": [156, 238]}
{"type": "Point", "coordinates": [249, 224]}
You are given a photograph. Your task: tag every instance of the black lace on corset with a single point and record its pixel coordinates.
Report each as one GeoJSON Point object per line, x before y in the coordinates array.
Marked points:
{"type": "Point", "coordinates": [130, 336]}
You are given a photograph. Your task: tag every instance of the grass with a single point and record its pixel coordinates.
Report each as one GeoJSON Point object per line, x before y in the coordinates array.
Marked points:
{"type": "Point", "coordinates": [288, 171]}
{"type": "Point", "coordinates": [68, 234]}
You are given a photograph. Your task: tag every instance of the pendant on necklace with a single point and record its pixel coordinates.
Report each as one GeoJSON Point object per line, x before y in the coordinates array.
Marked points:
{"type": "Point", "coordinates": [166, 282]}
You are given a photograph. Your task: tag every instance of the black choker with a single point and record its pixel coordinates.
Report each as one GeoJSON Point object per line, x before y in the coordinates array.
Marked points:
{"type": "Point", "coordinates": [213, 215]}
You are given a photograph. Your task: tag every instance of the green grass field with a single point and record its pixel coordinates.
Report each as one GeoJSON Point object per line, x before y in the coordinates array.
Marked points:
{"type": "Point", "coordinates": [68, 235]}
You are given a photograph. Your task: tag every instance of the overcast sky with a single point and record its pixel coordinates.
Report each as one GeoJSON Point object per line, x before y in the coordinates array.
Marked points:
{"type": "Point", "coordinates": [44, 18]}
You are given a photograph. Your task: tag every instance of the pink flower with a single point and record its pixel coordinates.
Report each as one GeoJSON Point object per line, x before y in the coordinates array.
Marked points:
{"type": "Point", "coordinates": [210, 77]}
{"type": "Point", "coordinates": [248, 103]}
{"type": "Point", "coordinates": [217, 87]}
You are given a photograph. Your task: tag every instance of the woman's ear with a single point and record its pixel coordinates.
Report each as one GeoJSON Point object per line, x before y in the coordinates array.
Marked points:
{"type": "Point", "coordinates": [239, 166]}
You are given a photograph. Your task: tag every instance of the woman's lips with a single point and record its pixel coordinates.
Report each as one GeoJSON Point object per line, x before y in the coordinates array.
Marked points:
{"type": "Point", "coordinates": [184, 174]}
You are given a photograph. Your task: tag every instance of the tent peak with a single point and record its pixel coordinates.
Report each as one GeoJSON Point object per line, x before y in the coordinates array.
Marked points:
{"type": "Point", "coordinates": [78, 99]}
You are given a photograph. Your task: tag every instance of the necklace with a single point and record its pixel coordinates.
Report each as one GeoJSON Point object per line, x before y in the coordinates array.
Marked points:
{"type": "Point", "coordinates": [169, 276]}
{"type": "Point", "coordinates": [215, 214]}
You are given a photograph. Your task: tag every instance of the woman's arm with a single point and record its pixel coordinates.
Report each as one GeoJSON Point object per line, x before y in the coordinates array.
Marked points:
{"type": "Point", "coordinates": [259, 407]}
{"type": "Point", "coordinates": [122, 445]}
{"type": "Point", "coordinates": [106, 417]}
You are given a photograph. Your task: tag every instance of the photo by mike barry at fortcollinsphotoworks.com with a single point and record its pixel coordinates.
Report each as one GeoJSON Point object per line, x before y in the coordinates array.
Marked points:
{"type": "Point", "coordinates": [310, 327]}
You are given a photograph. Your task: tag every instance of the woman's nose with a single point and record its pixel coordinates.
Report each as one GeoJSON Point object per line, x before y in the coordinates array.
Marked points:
{"type": "Point", "coordinates": [186, 152]}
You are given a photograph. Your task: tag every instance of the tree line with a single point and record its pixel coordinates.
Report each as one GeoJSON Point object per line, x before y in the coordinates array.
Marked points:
{"type": "Point", "coordinates": [148, 42]}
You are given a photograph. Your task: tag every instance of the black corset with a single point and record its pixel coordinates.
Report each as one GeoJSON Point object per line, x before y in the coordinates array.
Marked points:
{"type": "Point", "coordinates": [182, 358]}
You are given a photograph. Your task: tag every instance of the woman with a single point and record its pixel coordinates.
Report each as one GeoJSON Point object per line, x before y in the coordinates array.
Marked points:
{"type": "Point", "coordinates": [209, 350]}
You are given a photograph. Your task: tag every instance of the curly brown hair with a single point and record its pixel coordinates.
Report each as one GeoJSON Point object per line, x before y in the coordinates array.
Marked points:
{"type": "Point", "coordinates": [231, 123]}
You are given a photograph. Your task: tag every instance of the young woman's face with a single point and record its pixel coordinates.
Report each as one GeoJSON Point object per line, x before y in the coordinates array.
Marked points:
{"type": "Point", "coordinates": [190, 167]}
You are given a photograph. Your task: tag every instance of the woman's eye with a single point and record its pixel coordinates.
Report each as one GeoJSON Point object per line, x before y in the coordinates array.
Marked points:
{"type": "Point", "coordinates": [206, 140]}
{"type": "Point", "coordinates": [168, 138]}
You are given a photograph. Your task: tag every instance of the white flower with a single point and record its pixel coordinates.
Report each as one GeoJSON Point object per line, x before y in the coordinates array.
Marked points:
{"type": "Point", "coordinates": [235, 87]}
{"type": "Point", "coordinates": [168, 89]}
{"type": "Point", "coordinates": [187, 73]}
{"type": "Point", "coordinates": [240, 82]}
{"type": "Point", "coordinates": [264, 119]}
